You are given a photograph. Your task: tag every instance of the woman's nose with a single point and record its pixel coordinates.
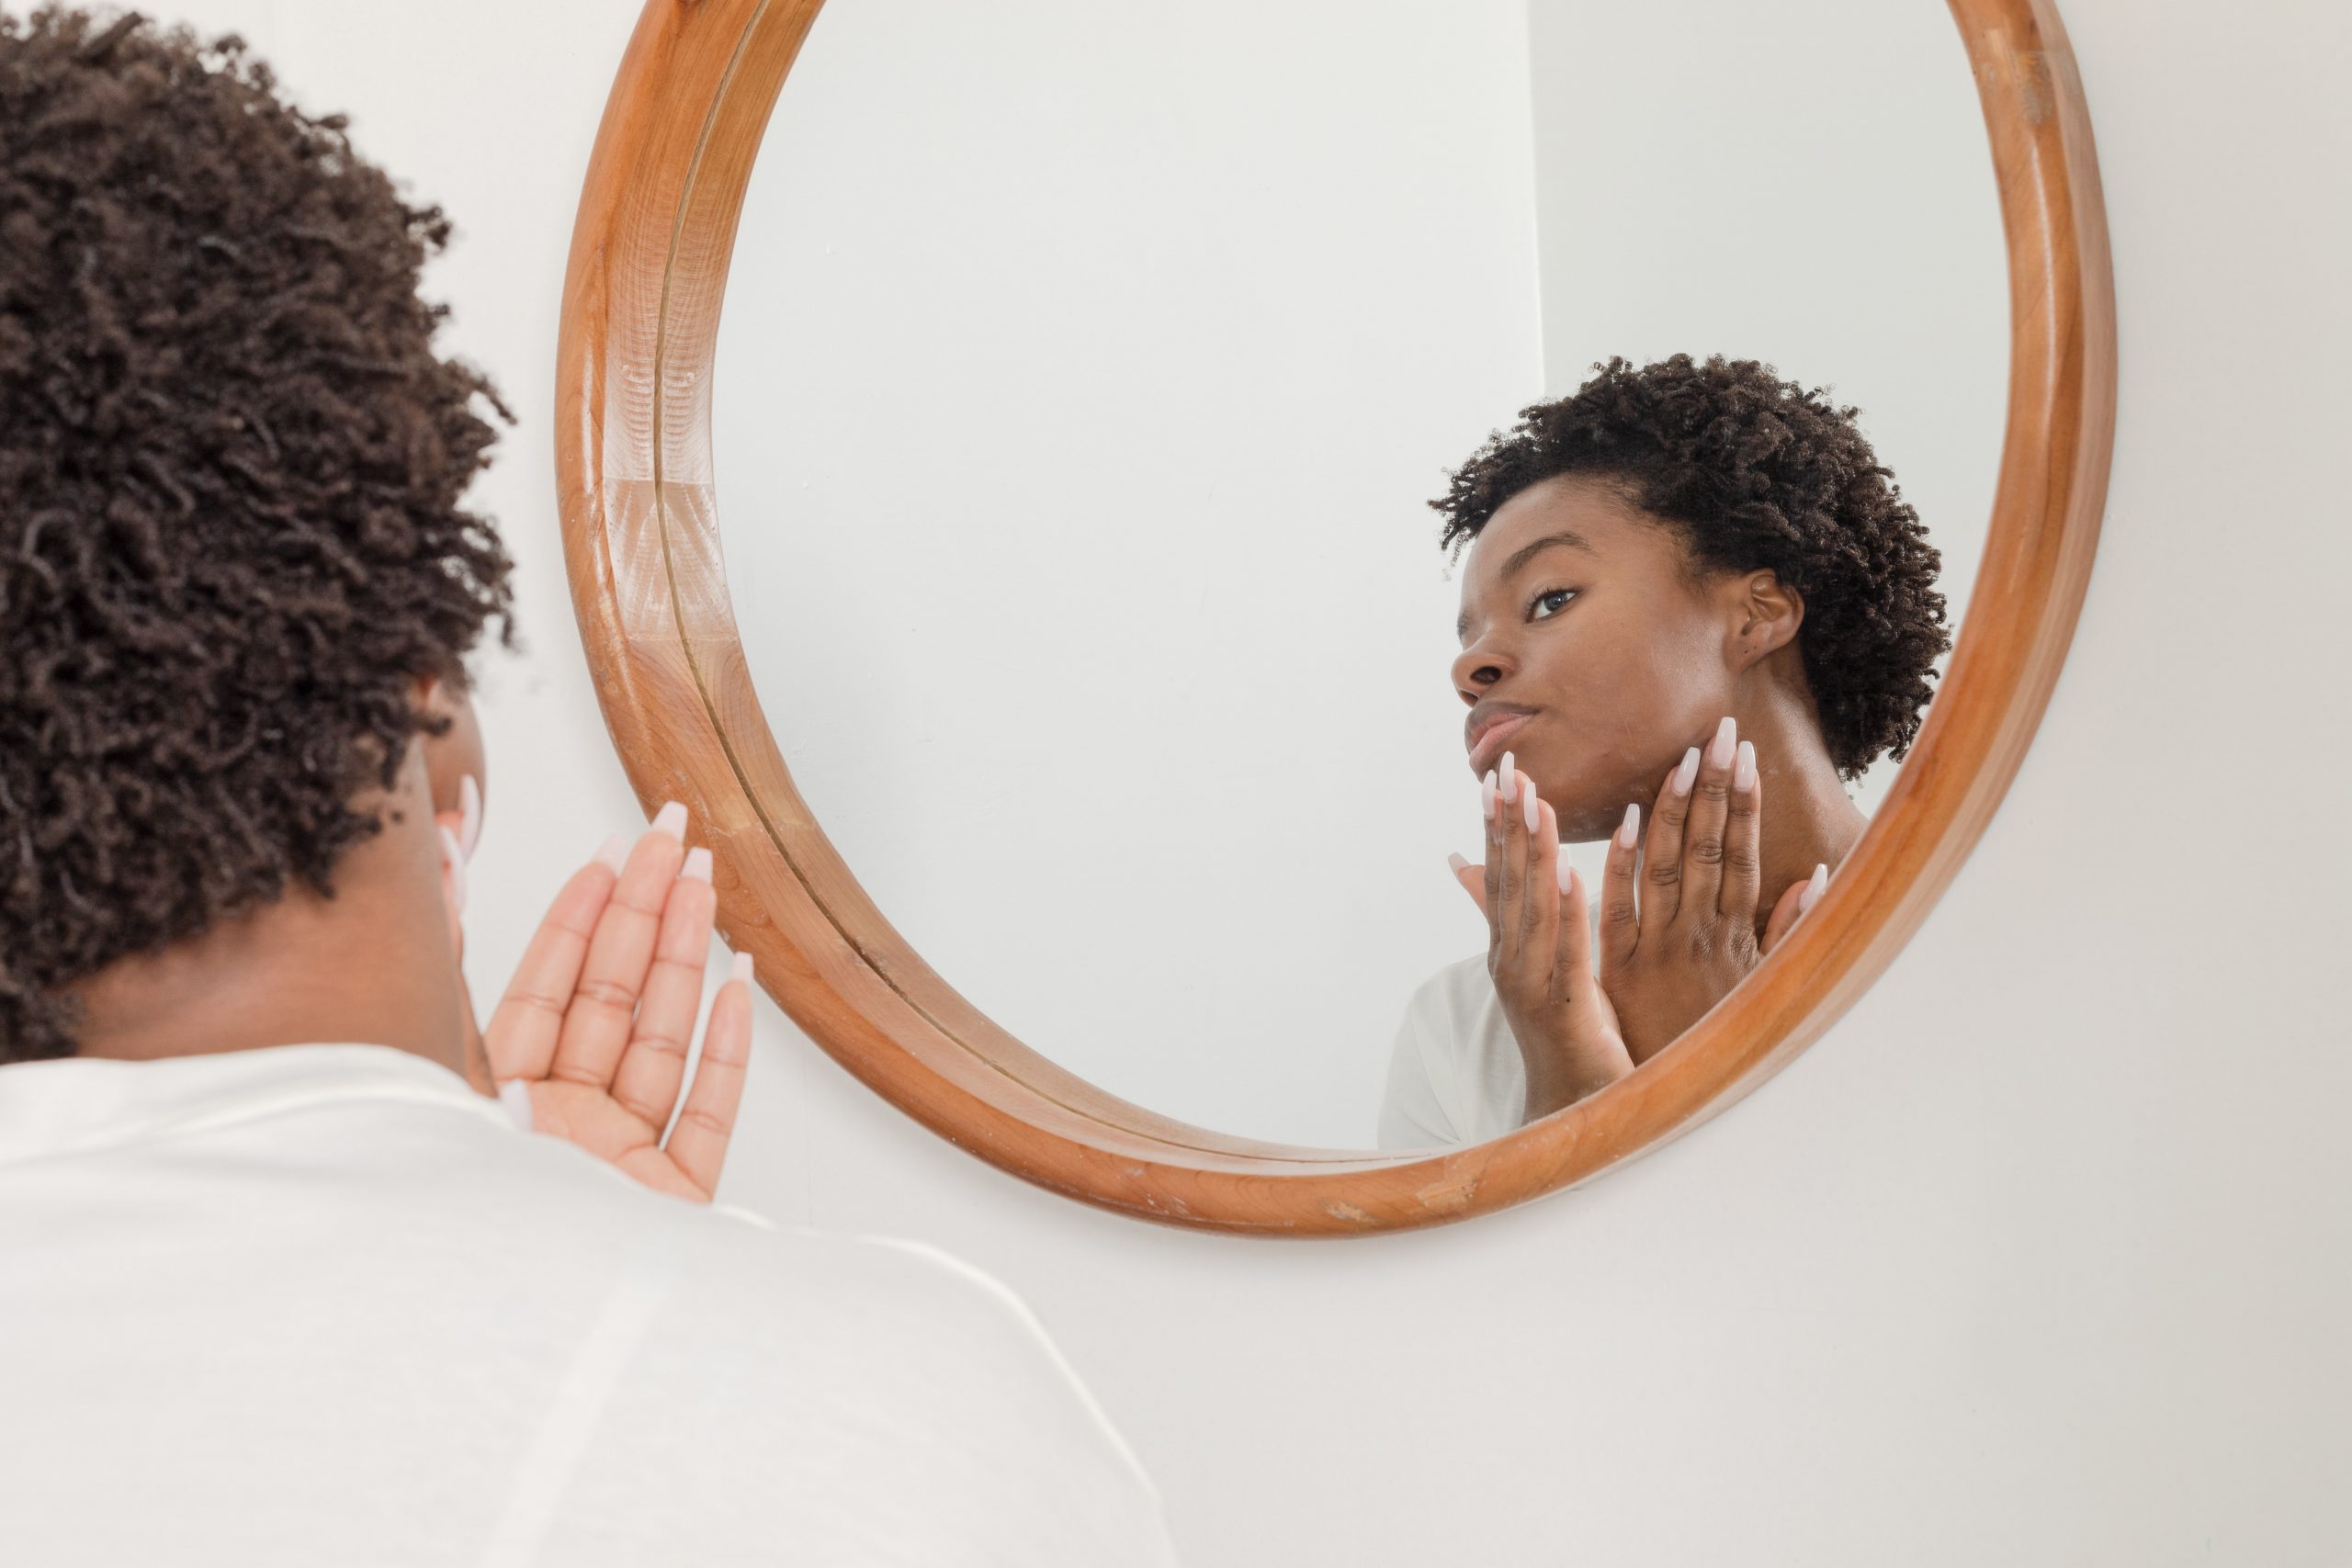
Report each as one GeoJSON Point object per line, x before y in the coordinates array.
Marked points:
{"type": "Point", "coordinates": [1475, 671]}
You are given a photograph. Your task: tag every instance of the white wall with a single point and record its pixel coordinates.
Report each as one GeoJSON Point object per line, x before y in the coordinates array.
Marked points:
{"type": "Point", "coordinates": [2038, 1257]}
{"type": "Point", "coordinates": [1084, 374]}
{"type": "Point", "coordinates": [1843, 225]}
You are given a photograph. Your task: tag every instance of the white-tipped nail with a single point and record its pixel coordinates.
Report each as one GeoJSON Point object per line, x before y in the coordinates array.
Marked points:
{"type": "Point", "coordinates": [1719, 750]}
{"type": "Point", "coordinates": [454, 859]}
{"type": "Point", "coordinates": [1486, 794]}
{"type": "Point", "coordinates": [740, 969]}
{"type": "Point", "coordinates": [1527, 800]}
{"type": "Point", "coordinates": [698, 864]}
{"type": "Point", "coordinates": [515, 1095]}
{"type": "Point", "coordinates": [1509, 776]}
{"type": "Point", "coordinates": [1630, 830]}
{"type": "Point", "coordinates": [672, 819]}
{"type": "Point", "coordinates": [1690, 774]}
{"type": "Point", "coordinates": [614, 853]}
{"type": "Point", "coordinates": [1456, 861]}
{"type": "Point", "coordinates": [469, 807]}
{"type": "Point", "coordinates": [1813, 888]}
{"type": "Point", "coordinates": [1563, 871]}
{"type": "Point", "coordinates": [1743, 771]}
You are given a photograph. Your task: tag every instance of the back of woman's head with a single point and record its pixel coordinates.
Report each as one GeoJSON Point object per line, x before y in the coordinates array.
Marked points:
{"type": "Point", "coordinates": [1753, 473]}
{"type": "Point", "coordinates": [229, 470]}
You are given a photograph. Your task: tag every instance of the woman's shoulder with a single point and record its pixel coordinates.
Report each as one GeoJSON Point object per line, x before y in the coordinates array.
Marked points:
{"type": "Point", "coordinates": [1468, 1078]}
{"type": "Point", "coordinates": [1464, 976]}
{"type": "Point", "coordinates": [1456, 1002]}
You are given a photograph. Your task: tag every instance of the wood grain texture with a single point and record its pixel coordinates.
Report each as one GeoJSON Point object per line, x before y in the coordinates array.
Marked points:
{"type": "Point", "coordinates": [642, 297]}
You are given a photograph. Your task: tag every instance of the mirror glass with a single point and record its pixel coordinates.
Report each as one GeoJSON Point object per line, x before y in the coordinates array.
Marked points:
{"type": "Point", "coordinates": [1087, 373]}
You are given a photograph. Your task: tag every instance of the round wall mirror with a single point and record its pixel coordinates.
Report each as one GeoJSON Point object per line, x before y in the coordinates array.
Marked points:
{"type": "Point", "coordinates": [1156, 470]}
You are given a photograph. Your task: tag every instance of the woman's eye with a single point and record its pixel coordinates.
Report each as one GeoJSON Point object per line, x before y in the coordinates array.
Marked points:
{"type": "Point", "coordinates": [1563, 594]}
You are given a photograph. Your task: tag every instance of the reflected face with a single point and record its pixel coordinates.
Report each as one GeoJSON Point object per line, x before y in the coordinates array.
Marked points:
{"type": "Point", "coordinates": [1588, 652]}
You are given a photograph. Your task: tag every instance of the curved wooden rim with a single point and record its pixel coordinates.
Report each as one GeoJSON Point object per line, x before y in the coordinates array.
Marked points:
{"type": "Point", "coordinates": [642, 302]}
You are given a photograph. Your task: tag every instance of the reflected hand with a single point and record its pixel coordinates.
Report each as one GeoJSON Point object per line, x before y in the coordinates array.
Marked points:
{"type": "Point", "coordinates": [597, 1020]}
{"type": "Point", "coordinates": [1539, 951]}
{"type": "Point", "coordinates": [1673, 953]}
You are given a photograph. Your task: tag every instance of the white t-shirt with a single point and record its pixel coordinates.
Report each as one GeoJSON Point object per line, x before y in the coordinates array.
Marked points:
{"type": "Point", "coordinates": [1455, 1072]}
{"type": "Point", "coordinates": [325, 1303]}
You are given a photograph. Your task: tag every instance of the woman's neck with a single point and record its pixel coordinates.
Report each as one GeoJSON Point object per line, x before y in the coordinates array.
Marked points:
{"type": "Point", "coordinates": [1808, 817]}
{"type": "Point", "coordinates": [372, 966]}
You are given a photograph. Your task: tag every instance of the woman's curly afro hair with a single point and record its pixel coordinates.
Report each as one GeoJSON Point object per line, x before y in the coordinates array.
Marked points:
{"type": "Point", "coordinates": [229, 467]}
{"type": "Point", "coordinates": [1756, 473]}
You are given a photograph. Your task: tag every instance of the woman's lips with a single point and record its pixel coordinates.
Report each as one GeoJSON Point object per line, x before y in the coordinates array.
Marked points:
{"type": "Point", "coordinates": [1489, 748]}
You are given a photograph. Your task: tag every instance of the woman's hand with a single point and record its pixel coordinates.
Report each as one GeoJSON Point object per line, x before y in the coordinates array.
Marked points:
{"type": "Point", "coordinates": [1539, 951]}
{"type": "Point", "coordinates": [1675, 950]}
{"type": "Point", "coordinates": [597, 1020]}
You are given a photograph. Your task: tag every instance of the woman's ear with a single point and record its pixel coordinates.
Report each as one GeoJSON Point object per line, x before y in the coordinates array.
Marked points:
{"type": "Point", "coordinates": [454, 759]}
{"type": "Point", "coordinates": [1766, 615]}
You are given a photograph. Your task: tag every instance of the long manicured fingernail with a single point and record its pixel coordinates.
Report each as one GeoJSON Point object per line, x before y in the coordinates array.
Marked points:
{"type": "Point", "coordinates": [1486, 794]}
{"type": "Point", "coordinates": [1690, 774]}
{"type": "Point", "coordinates": [515, 1095]}
{"type": "Point", "coordinates": [740, 969]}
{"type": "Point", "coordinates": [1510, 780]}
{"type": "Point", "coordinates": [613, 851]}
{"type": "Point", "coordinates": [1565, 873]}
{"type": "Point", "coordinates": [1719, 749]}
{"type": "Point", "coordinates": [698, 864]}
{"type": "Point", "coordinates": [1456, 861]}
{"type": "Point", "coordinates": [1813, 887]}
{"type": "Point", "coordinates": [672, 819]}
{"type": "Point", "coordinates": [469, 805]}
{"type": "Point", "coordinates": [1527, 800]}
{"type": "Point", "coordinates": [1743, 774]}
{"type": "Point", "coordinates": [1631, 829]}
{"type": "Point", "coordinates": [454, 859]}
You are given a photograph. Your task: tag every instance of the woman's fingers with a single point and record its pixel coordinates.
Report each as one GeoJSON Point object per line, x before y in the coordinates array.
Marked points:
{"type": "Point", "coordinates": [1620, 913]}
{"type": "Point", "coordinates": [1473, 879]}
{"type": "Point", "coordinates": [453, 894]}
{"type": "Point", "coordinates": [1702, 839]}
{"type": "Point", "coordinates": [1662, 852]}
{"type": "Point", "coordinates": [1503, 914]}
{"type": "Point", "coordinates": [604, 1004]}
{"type": "Point", "coordinates": [1543, 888]}
{"type": "Point", "coordinates": [1743, 869]}
{"type": "Point", "coordinates": [1576, 976]}
{"type": "Point", "coordinates": [699, 1143]}
{"type": "Point", "coordinates": [1525, 842]}
{"type": "Point", "coordinates": [1506, 837]}
{"type": "Point", "coordinates": [1491, 870]}
{"type": "Point", "coordinates": [1519, 793]}
{"type": "Point", "coordinates": [522, 1034]}
{"type": "Point", "coordinates": [654, 1064]}
{"type": "Point", "coordinates": [1799, 898]}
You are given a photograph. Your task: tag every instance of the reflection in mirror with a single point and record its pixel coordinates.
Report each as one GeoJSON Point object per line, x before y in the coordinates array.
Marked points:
{"type": "Point", "coordinates": [1092, 376]}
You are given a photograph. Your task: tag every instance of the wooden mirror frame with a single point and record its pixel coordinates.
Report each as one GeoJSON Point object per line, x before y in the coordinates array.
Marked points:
{"type": "Point", "coordinates": [642, 299]}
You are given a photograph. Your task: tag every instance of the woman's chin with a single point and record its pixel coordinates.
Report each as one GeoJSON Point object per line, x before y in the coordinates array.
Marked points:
{"type": "Point", "coordinates": [1582, 818]}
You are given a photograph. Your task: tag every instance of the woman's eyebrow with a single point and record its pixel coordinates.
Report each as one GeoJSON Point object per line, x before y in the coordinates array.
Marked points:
{"type": "Point", "coordinates": [1521, 555]}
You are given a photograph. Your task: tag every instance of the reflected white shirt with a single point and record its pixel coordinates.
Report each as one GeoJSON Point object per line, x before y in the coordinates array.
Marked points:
{"type": "Point", "coordinates": [325, 1303]}
{"type": "Point", "coordinates": [1455, 1072]}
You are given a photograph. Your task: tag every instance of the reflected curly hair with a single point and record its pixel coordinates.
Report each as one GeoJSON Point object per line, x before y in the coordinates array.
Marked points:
{"type": "Point", "coordinates": [1754, 473]}
{"type": "Point", "coordinates": [229, 467]}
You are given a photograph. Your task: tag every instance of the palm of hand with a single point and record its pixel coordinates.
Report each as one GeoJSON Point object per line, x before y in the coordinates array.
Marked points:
{"type": "Point", "coordinates": [597, 1021]}
{"type": "Point", "coordinates": [589, 1115]}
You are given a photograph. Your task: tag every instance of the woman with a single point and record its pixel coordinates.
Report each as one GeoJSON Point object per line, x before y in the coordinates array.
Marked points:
{"type": "Point", "coordinates": [1692, 587]}
{"type": "Point", "coordinates": [283, 1282]}
{"type": "Point", "coordinates": [237, 591]}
